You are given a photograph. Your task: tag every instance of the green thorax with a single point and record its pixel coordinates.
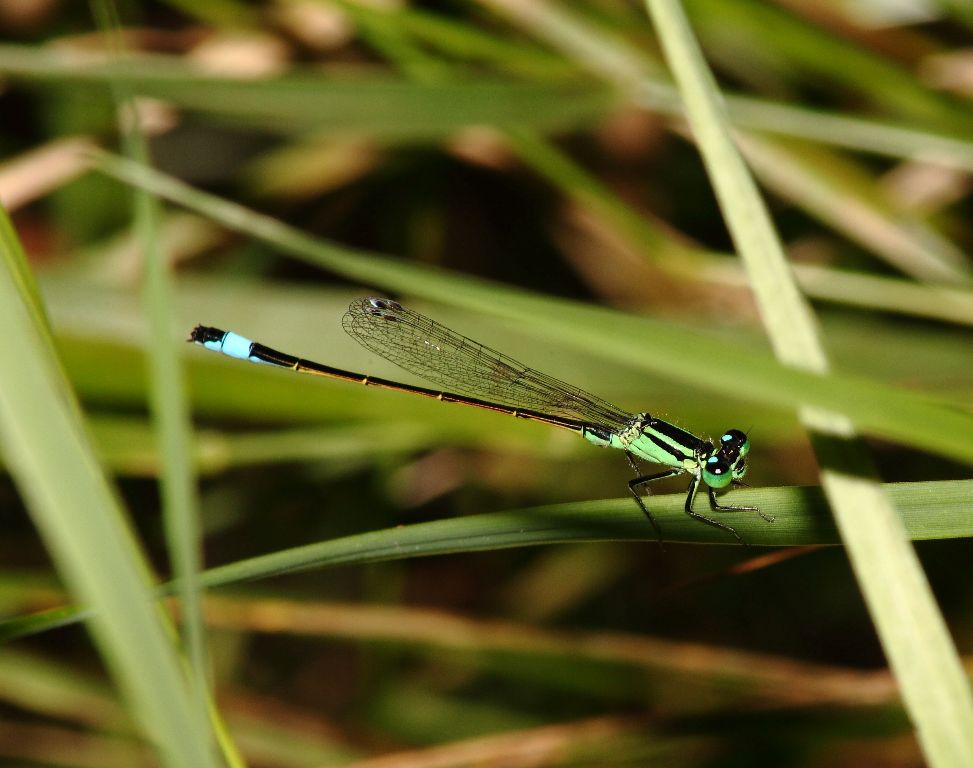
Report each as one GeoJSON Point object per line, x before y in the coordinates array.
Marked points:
{"type": "Point", "coordinates": [660, 442]}
{"type": "Point", "coordinates": [655, 440]}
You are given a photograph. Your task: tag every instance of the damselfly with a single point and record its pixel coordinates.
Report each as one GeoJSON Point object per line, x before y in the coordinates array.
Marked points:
{"type": "Point", "coordinates": [473, 374]}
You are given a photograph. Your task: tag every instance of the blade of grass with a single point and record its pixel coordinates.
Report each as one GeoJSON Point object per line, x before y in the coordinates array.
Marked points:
{"type": "Point", "coordinates": [816, 53]}
{"type": "Point", "coordinates": [606, 54]}
{"type": "Point", "coordinates": [388, 39]}
{"type": "Point", "coordinates": [99, 326]}
{"type": "Point", "coordinates": [654, 241]}
{"type": "Point", "coordinates": [376, 106]}
{"type": "Point", "coordinates": [829, 128]}
{"type": "Point", "coordinates": [78, 515]}
{"type": "Point", "coordinates": [15, 263]}
{"type": "Point", "coordinates": [626, 67]}
{"type": "Point", "coordinates": [599, 53]}
{"type": "Point", "coordinates": [169, 410]}
{"type": "Point", "coordinates": [936, 691]}
{"type": "Point", "coordinates": [735, 371]}
{"type": "Point", "coordinates": [625, 64]}
{"type": "Point", "coordinates": [933, 510]}
{"type": "Point", "coordinates": [126, 445]}
{"type": "Point", "coordinates": [658, 245]}
{"type": "Point", "coordinates": [470, 43]}
{"type": "Point", "coordinates": [783, 680]}
{"type": "Point", "coordinates": [364, 104]}
{"type": "Point", "coordinates": [842, 195]}
{"type": "Point", "coordinates": [886, 294]}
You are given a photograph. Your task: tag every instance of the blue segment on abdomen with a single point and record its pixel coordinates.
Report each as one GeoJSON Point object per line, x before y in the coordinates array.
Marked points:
{"type": "Point", "coordinates": [233, 345]}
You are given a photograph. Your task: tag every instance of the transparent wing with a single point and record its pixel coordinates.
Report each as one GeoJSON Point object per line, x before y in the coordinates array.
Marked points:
{"type": "Point", "coordinates": [458, 364]}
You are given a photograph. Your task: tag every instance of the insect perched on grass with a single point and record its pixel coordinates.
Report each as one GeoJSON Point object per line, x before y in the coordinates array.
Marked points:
{"type": "Point", "coordinates": [485, 378]}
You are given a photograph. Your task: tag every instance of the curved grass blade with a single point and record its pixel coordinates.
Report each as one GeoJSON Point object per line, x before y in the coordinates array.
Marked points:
{"type": "Point", "coordinates": [50, 457]}
{"type": "Point", "coordinates": [935, 510]}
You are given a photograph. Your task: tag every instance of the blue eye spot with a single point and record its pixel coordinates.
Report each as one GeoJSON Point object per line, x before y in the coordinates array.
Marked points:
{"type": "Point", "coordinates": [712, 460]}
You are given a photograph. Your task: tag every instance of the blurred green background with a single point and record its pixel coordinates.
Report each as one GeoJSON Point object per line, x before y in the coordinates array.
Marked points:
{"type": "Point", "coordinates": [539, 147]}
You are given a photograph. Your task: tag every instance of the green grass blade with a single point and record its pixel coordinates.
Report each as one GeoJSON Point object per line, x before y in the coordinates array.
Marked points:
{"type": "Point", "coordinates": [654, 241]}
{"type": "Point", "coordinates": [15, 262]}
{"type": "Point", "coordinates": [468, 42]}
{"type": "Point", "coordinates": [828, 128]}
{"type": "Point", "coordinates": [820, 56]}
{"type": "Point", "coordinates": [384, 107]}
{"type": "Point", "coordinates": [366, 105]}
{"type": "Point", "coordinates": [658, 245]}
{"type": "Point", "coordinates": [842, 195]}
{"type": "Point", "coordinates": [932, 510]}
{"type": "Point", "coordinates": [609, 55]}
{"type": "Point", "coordinates": [600, 53]}
{"type": "Point", "coordinates": [170, 411]}
{"type": "Point", "coordinates": [933, 302]}
{"type": "Point", "coordinates": [50, 457]}
{"type": "Point", "coordinates": [735, 371]}
{"type": "Point", "coordinates": [935, 688]}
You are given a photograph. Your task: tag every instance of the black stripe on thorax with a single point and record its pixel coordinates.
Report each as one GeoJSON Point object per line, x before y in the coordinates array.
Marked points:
{"type": "Point", "coordinates": [678, 436]}
{"type": "Point", "coordinates": [668, 448]}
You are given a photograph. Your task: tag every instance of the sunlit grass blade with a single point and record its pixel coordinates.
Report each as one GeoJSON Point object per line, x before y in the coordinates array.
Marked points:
{"type": "Point", "coordinates": [935, 688]}
{"type": "Point", "coordinates": [827, 128]}
{"type": "Point", "coordinates": [48, 453]}
{"type": "Point", "coordinates": [167, 399]}
{"type": "Point", "coordinates": [842, 195]}
{"type": "Point", "coordinates": [933, 302]}
{"type": "Point", "coordinates": [890, 412]}
{"type": "Point", "coordinates": [15, 265]}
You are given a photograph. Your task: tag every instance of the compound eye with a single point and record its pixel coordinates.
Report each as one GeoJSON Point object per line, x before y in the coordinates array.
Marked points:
{"type": "Point", "coordinates": [735, 441]}
{"type": "Point", "coordinates": [717, 472]}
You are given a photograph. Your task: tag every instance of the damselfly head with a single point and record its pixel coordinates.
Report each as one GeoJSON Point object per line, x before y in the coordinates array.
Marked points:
{"type": "Point", "coordinates": [735, 441]}
{"type": "Point", "coordinates": [717, 472]}
{"type": "Point", "coordinates": [729, 462]}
